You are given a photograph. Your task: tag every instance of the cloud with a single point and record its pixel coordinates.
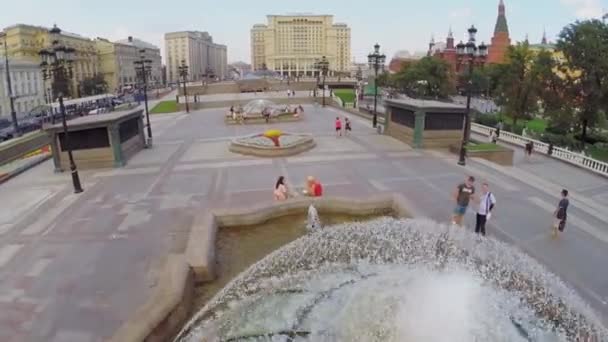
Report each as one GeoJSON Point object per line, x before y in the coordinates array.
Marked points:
{"type": "Point", "coordinates": [464, 12]}
{"type": "Point", "coordinates": [585, 9]}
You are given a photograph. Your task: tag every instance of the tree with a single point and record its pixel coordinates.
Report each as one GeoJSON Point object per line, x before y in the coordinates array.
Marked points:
{"type": "Point", "coordinates": [428, 77]}
{"type": "Point", "coordinates": [585, 47]}
{"type": "Point", "coordinates": [553, 90]}
{"type": "Point", "coordinates": [519, 87]}
{"type": "Point", "coordinates": [94, 85]}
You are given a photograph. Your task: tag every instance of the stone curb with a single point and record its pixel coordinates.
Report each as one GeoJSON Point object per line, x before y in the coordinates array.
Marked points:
{"type": "Point", "coordinates": [36, 160]}
{"type": "Point", "coordinates": [200, 252]}
{"type": "Point", "coordinates": [166, 310]}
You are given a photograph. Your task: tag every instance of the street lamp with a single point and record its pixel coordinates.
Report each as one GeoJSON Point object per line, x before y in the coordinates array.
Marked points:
{"type": "Point", "coordinates": [323, 66]}
{"type": "Point", "coordinates": [376, 61]}
{"type": "Point", "coordinates": [143, 67]}
{"type": "Point", "coordinates": [56, 66]}
{"type": "Point", "coordinates": [183, 72]}
{"type": "Point", "coordinates": [10, 89]}
{"type": "Point", "coordinates": [472, 54]}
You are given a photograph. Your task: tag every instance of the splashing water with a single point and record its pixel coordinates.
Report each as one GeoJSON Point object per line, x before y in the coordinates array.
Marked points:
{"type": "Point", "coordinates": [314, 222]}
{"type": "Point", "coordinates": [395, 280]}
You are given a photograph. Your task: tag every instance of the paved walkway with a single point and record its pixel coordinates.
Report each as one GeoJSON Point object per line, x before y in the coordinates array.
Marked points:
{"type": "Point", "coordinates": [74, 267]}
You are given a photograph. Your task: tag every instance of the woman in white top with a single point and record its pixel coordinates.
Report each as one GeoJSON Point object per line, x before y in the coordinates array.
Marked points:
{"type": "Point", "coordinates": [484, 211]}
{"type": "Point", "coordinates": [280, 189]}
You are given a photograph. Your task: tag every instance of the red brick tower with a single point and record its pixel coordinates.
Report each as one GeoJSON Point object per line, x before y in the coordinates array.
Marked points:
{"type": "Point", "coordinates": [501, 40]}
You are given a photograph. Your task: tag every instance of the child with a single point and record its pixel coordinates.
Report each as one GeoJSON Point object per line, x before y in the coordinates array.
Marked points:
{"type": "Point", "coordinates": [338, 127]}
{"type": "Point", "coordinates": [347, 127]}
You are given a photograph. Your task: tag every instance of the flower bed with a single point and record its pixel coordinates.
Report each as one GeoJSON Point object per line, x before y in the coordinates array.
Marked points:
{"type": "Point", "coordinates": [272, 143]}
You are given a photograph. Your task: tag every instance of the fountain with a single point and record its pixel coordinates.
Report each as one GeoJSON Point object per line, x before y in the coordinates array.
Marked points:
{"type": "Point", "coordinates": [394, 280]}
{"type": "Point", "coordinates": [314, 222]}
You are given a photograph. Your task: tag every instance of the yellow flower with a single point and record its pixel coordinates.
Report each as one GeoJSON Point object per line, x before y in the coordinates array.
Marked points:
{"type": "Point", "coordinates": [273, 133]}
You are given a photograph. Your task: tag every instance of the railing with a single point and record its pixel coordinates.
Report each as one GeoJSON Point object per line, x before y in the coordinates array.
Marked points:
{"type": "Point", "coordinates": [563, 154]}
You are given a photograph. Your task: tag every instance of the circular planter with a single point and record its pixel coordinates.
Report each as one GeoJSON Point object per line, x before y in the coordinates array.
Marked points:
{"type": "Point", "coordinates": [260, 146]}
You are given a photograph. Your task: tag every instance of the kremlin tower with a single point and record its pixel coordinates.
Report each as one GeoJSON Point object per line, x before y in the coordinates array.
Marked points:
{"type": "Point", "coordinates": [501, 40]}
{"type": "Point", "coordinates": [497, 50]}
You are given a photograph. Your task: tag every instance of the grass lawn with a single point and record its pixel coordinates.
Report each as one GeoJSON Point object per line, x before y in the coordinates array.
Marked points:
{"type": "Point", "coordinates": [598, 153]}
{"type": "Point", "coordinates": [484, 147]}
{"type": "Point", "coordinates": [346, 95]}
{"type": "Point", "coordinates": [538, 125]}
{"type": "Point", "coordinates": [164, 107]}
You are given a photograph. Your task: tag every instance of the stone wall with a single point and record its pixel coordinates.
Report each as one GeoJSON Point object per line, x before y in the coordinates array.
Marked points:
{"type": "Point", "coordinates": [228, 103]}
{"type": "Point", "coordinates": [400, 132]}
{"type": "Point", "coordinates": [441, 139]}
{"type": "Point", "coordinates": [96, 158]}
{"type": "Point", "coordinates": [501, 156]}
{"type": "Point", "coordinates": [170, 305]}
{"type": "Point", "coordinates": [18, 147]}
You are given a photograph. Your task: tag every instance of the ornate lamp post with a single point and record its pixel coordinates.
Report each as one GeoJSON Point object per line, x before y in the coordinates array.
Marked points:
{"type": "Point", "coordinates": [376, 62]}
{"type": "Point", "coordinates": [56, 66]}
{"type": "Point", "coordinates": [323, 67]}
{"type": "Point", "coordinates": [183, 72]}
{"type": "Point", "coordinates": [473, 55]}
{"type": "Point", "coordinates": [144, 69]}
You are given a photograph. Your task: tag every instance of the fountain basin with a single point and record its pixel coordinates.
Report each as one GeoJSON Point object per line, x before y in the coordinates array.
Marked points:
{"type": "Point", "coordinates": [395, 280]}
{"type": "Point", "coordinates": [259, 145]}
{"type": "Point", "coordinates": [171, 303]}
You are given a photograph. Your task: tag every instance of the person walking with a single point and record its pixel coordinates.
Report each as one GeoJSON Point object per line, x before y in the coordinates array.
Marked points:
{"type": "Point", "coordinates": [338, 127]}
{"type": "Point", "coordinates": [462, 195]}
{"type": "Point", "coordinates": [528, 149]}
{"type": "Point", "coordinates": [347, 127]}
{"type": "Point", "coordinates": [560, 214]}
{"type": "Point", "coordinates": [487, 201]}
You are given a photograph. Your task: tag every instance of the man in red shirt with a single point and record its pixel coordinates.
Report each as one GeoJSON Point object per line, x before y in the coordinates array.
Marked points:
{"type": "Point", "coordinates": [313, 187]}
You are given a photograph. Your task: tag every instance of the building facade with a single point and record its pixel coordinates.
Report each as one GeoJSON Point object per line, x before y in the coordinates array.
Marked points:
{"type": "Point", "coordinates": [150, 52]}
{"type": "Point", "coordinates": [26, 83]}
{"type": "Point", "coordinates": [292, 44]}
{"type": "Point", "coordinates": [25, 42]}
{"type": "Point", "coordinates": [497, 50]}
{"type": "Point", "coordinates": [205, 59]}
{"type": "Point", "coordinates": [116, 64]}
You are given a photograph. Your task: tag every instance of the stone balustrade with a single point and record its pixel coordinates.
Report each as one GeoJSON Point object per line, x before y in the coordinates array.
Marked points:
{"type": "Point", "coordinates": [563, 154]}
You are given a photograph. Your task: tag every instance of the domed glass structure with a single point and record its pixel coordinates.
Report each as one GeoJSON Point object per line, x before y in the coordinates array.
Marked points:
{"type": "Point", "coordinates": [395, 280]}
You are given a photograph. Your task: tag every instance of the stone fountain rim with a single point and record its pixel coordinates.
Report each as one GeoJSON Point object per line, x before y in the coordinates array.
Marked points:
{"type": "Point", "coordinates": [169, 305]}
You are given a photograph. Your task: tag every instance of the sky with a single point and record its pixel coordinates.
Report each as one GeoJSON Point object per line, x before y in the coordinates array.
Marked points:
{"type": "Point", "coordinates": [394, 24]}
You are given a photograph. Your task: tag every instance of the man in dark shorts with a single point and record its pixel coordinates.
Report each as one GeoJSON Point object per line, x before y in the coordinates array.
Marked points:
{"type": "Point", "coordinates": [463, 194]}
{"type": "Point", "coordinates": [560, 214]}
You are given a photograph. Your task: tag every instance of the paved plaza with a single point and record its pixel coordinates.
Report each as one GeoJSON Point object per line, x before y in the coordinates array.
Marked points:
{"type": "Point", "coordinates": [75, 267]}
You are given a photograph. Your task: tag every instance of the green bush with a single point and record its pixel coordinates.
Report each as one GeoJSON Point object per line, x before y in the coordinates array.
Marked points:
{"type": "Point", "coordinates": [593, 138]}
{"type": "Point", "coordinates": [562, 140]}
{"type": "Point", "coordinates": [556, 130]}
{"type": "Point", "coordinates": [519, 129]}
{"type": "Point", "coordinates": [490, 120]}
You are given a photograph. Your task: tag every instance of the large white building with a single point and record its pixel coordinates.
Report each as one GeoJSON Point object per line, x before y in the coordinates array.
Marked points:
{"type": "Point", "coordinates": [26, 83]}
{"type": "Point", "coordinates": [204, 58]}
{"type": "Point", "coordinates": [291, 44]}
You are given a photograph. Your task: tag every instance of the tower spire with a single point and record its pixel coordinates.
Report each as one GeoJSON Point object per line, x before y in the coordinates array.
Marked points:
{"type": "Point", "coordinates": [501, 21]}
{"type": "Point", "coordinates": [544, 41]}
